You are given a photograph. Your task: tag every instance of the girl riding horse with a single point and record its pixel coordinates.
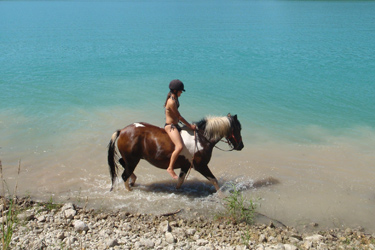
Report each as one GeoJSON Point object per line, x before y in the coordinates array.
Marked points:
{"type": "Point", "coordinates": [172, 117]}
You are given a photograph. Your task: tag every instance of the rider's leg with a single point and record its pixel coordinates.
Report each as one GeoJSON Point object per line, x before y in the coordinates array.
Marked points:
{"type": "Point", "coordinates": [175, 136]}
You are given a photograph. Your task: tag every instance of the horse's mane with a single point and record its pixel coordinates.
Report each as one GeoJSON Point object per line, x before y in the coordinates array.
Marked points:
{"type": "Point", "coordinates": [215, 127]}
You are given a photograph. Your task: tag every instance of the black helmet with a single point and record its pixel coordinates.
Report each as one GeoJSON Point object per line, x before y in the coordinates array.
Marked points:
{"type": "Point", "coordinates": [176, 85]}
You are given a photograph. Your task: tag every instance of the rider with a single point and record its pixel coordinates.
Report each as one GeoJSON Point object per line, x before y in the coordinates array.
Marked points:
{"type": "Point", "coordinates": [173, 116]}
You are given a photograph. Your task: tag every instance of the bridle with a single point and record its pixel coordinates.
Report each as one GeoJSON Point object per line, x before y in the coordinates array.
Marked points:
{"type": "Point", "coordinates": [229, 143]}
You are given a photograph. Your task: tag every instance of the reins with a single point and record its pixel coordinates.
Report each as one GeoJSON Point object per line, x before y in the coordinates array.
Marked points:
{"type": "Point", "coordinates": [192, 160]}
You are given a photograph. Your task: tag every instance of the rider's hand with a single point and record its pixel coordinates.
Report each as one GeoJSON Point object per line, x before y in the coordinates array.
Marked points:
{"type": "Point", "coordinates": [193, 127]}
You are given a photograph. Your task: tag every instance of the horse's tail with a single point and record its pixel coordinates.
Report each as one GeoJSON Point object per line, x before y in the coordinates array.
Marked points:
{"type": "Point", "coordinates": [112, 157]}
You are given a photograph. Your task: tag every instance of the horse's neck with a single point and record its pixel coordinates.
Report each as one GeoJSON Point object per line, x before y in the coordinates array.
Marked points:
{"type": "Point", "coordinates": [211, 141]}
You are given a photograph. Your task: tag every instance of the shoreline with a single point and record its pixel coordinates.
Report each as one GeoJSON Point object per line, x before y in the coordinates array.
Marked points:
{"type": "Point", "coordinates": [45, 225]}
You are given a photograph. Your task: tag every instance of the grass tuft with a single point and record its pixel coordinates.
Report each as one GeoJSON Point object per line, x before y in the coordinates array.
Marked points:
{"type": "Point", "coordinates": [237, 208]}
{"type": "Point", "coordinates": [9, 217]}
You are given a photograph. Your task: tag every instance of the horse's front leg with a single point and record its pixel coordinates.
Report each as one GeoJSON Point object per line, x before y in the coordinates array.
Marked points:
{"type": "Point", "coordinates": [206, 172]}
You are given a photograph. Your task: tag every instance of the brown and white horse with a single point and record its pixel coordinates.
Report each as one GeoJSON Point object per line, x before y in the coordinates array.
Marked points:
{"type": "Point", "coordinates": [151, 143]}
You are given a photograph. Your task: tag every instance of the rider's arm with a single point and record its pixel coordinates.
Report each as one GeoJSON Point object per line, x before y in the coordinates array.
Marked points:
{"type": "Point", "coordinates": [191, 126]}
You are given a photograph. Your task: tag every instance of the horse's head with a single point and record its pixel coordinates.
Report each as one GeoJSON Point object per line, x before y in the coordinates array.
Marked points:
{"type": "Point", "coordinates": [235, 137]}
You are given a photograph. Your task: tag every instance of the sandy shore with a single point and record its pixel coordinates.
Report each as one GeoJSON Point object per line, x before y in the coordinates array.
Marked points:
{"type": "Point", "coordinates": [44, 225]}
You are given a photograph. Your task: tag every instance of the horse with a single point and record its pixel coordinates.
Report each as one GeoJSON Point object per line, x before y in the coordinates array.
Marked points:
{"type": "Point", "coordinates": [145, 141]}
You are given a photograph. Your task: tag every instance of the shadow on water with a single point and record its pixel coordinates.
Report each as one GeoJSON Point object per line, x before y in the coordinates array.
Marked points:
{"type": "Point", "coordinates": [201, 189]}
{"type": "Point", "coordinates": [190, 188]}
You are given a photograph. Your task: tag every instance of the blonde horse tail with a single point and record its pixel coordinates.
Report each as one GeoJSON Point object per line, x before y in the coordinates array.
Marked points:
{"type": "Point", "coordinates": [113, 167]}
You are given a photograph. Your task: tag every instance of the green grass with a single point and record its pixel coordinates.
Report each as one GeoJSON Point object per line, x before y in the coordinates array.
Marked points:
{"type": "Point", "coordinates": [237, 208]}
{"type": "Point", "coordinates": [49, 205]}
{"type": "Point", "coordinates": [7, 225]}
{"type": "Point", "coordinates": [10, 217]}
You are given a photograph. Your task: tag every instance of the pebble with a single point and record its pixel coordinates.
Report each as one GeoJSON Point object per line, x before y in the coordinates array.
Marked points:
{"type": "Point", "coordinates": [70, 213]}
{"type": "Point", "coordinates": [77, 228]}
{"type": "Point", "coordinates": [80, 226]}
{"type": "Point", "coordinates": [112, 243]}
{"type": "Point", "coordinates": [170, 238]}
{"type": "Point", "coordinates": [314, 238]}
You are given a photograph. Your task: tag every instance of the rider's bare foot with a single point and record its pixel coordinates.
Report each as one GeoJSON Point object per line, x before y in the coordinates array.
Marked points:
{"type": "Point", "coordinates": [172, 173]}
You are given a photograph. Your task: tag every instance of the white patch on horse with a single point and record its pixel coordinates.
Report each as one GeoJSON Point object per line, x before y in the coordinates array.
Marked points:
{"type": "Point", "coordinates": [190, 147]}
{"type": "Point", "coordinates": [138, 125]}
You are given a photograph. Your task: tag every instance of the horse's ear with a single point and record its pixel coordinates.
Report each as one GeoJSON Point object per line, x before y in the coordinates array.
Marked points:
{"type": "Point", "coordinates": [235, 117]}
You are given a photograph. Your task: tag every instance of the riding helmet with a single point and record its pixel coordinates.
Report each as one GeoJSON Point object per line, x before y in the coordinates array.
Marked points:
{"type": "Point", "coordinates": [176, 85]}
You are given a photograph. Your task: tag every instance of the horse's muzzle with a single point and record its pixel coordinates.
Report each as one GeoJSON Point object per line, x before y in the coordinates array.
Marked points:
{"type": "Point", "coordinates": [239, 146]}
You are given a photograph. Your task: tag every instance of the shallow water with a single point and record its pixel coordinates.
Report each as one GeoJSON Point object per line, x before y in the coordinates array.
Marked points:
{"type": "Point", "coordinates": [299, 74]}
{"type": "Point", "coordinates": [330, 184]}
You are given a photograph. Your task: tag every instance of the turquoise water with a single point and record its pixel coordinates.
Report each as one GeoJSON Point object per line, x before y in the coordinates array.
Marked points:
{"type": "Point", "coordinates": [295, 72]}
{"type": "Point", "coordinates": [278, 64]}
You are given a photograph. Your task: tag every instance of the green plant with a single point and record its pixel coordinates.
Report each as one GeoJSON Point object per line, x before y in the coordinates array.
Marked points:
{"type": "Point", "coordinates": [10, 217]}
{"type": "Point", "coordinates": [7, 225]}
{"type": "Point", "coordinates": [49, 205]}
{"type": "Point", "coordinates": [237, 209]}
{"type": "Point", "coordinates": [346, 241]}
{"type": "Point", "coordinates": [245, 237]}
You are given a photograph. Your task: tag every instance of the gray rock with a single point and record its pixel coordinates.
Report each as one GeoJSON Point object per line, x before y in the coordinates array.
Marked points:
{"type": "Point", "coordinates": [241, 248]}
{"type": "Point", "coordinates": [158, 242]}
{"type": "Point", "coordinates": [164, 227]}
{"type": "Point", "coordinates": [69, 240]}
{"type": "Point", "coordinates": [60, 235]}
{"type": "Point", "coordinates": [202, 242]}
{"type": "Point", "coordinates": [307, 244]}
{"type": "Point", "coordinates": [147, 243]}
{"type": "Point", "coordinates": [294, 240]}
{"type": "Point", "coordinates": [205, 248]}
{"type": "Point", "coordinates": [278, 247]}
{"type": "Point", "coordinates": [41, 218]}
{"type": "Point", "coordinates": [322, 246]}
{"type": "Point", "coordinates": [70, 213]}
{"type": "Point", "coordinates": [115, 231]}
{"type": "Point", "coordinates": [262, 238]}
{"type": "Point", "coordinates": [179, 233]}
{"type": "Point", "coordinates": [315, 238]}
{"type": "Point", "coordinates": [80, 226]}
{"type": "Point", "coordinates": [290, 247]}
{"type": "Point", "coordinates": [67, 206]}
{"type": "Point", "coordinates": [26, 216]}
{"type": "Point", "coordinates": [112, 243]}
{"type": "Point", "coordinates": [259, 247]}
{"type": "Point", "coordinates": [170, 238]}
{"type": "Point", "coordinates": [190, 231]}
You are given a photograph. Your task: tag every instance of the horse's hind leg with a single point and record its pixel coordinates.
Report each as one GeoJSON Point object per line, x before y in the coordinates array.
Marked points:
{"type": "Point", "coordinates": [129, 167]}
{"type": "Point", "coordinates": [181, 177]}
{"type": "Point", "coordinates": [133, 178]}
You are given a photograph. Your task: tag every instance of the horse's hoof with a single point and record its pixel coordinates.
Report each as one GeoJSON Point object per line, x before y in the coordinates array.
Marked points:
{"type": "Point", "coordinates": [127, 186]}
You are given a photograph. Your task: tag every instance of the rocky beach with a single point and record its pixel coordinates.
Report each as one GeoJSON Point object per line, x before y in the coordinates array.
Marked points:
{"type": "Point", "coordinates": [44, 225]}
